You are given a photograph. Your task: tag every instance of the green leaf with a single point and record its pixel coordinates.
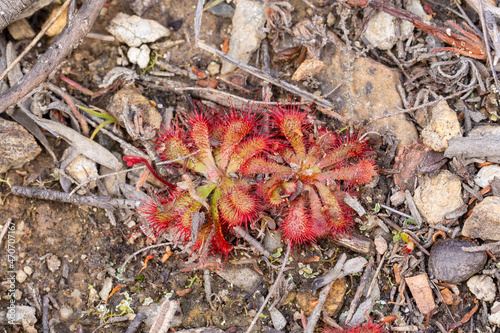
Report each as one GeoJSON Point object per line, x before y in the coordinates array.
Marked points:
{"type": "Point", "coordinates": [98, 128]}
{"type": "Point", "coordinates": [97, 113]}
{"type": "Point", "coordinates": [405, 237]}
{"type": "Point", "coordinates": [205, 190]}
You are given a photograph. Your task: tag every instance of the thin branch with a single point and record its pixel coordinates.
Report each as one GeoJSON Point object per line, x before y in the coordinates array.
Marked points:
{"type": "Point", "coordinates": [35, 40]}
{"type": "Point", "coordinates": [375, 276]}
{"type": "Point", "coordinates": [243, 234]}
{"type": "Point", "coordinates": [488, 50]}
{"type": "Point", "coordinates": [314, 317]}
{"type": "Point", "coordinates": [277, 82]}
{"type": "Point", "coordinates": [272, 290]}
{"type": "Point", "coordinates": [104, 202]}
{"type": "Point", "coordinates": [66, 41]}
{"type": "Point", "coordinates": [359, 291]}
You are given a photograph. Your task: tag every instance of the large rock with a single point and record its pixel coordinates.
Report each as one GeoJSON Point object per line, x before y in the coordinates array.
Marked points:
{"type": "Point", "coordinates": [484, 221]}
{"type": "Point", "coordinates": [370, 92]}
{"type": "Point", "coordinates": [18, 146]}
{"type": "Point", "coordinates": [438, 196]}
{"type": "Point", "coordinates": [442, 127]}
{"type": "Point", "coordinates": [248, 31]}
{"type": "Point", "coordinates": [134, 31]}
{"type": "Point", "coordinates": [450, 264]}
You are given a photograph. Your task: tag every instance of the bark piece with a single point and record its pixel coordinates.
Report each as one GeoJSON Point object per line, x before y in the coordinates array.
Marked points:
{"type": "Point", "coordinates": [421, 291]}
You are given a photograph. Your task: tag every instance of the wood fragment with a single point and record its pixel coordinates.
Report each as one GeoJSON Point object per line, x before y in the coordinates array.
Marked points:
{"type": "Point", "coordinates": [165, 316]}
{"type": "Point", "coordinates": [475, 147]}
{"type": "Point", "coordinates": [375, 276]}
{"type": "Point", "coordinates": [136, 322]}
{"type": "Point", "coordinates": [45, 314]}
{"type": "Point", "coordinates": [357, 243]}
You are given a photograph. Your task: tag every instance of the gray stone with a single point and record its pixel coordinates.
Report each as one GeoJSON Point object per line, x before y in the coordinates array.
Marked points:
{"type": "Point", "coordinates": [134, 31]}
{"type": "Point", "coordinates": [213, 68]}
{"type": "Point", "coordinates": [484, 222]}
{"type": "Point", "coordinates": [438, 196]}
{"type": "Point", "coordinates": [28, 270]}
{"type": "Point", "coordinates": [450, 264]}
{"type": "Point", "coordinates": [26, 315]}
{"type": "Point", "coordinates": [222, 9]}
{"type": "Point", "coordinates": [381, 30]}
{"type": "Point", "coordinates": [279, 321]}
{"type": "Point", "coordinates": [242, 277]}
{"type": "Point", "coordinates": [381, 27]}
{"type": "Point", "coordinates": [248, 32]}
{"type": "Point", "coordinates": [76, 299]}
{"type": "Point", "coordinates": [18, 146]}
{"type": "Point", "coordinates": [272, 240]}
{"type": "Point", "coordinates": [483, 287]}
{"type": "Point", "coordinates": [442, 127]}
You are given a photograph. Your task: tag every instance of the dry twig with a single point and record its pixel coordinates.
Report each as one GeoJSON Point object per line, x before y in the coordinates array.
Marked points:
{"type": "Point", "coordinates": [68, 39]}
{"type": "Point", "coordinates": [313, 318]}
{"type": "Point", "coordinates": [272, 290]}
{"type": "Point", "coordinates": [104, 202]}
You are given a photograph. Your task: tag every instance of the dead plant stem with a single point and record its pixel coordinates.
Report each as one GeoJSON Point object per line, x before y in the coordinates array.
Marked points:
{"type": "Point", "coordinates": [375, 276]}
{"type": "Point", "coordinates": [323, 295]}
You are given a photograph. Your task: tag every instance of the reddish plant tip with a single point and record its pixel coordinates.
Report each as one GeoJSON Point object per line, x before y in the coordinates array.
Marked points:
{"type": "Point", "coordinates": [133, 160]}
{"type": "Point", "coordinates": [368, 327]}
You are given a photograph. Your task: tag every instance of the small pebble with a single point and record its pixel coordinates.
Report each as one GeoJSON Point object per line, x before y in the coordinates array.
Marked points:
{"type": "Point", "coordinates": [18, 294]}
{"type": "Point", "coordinates": [483, 287]}
{"type": "Point", "coordinates": [28, 270]}
{"type": "Point", "coordinates": [213, 68]}
{"type": "Point", "coordinates": [65, 312]}
{"type": "Point", "coordinates": [53, 263]}
{"type": "Point", "coordinates": [448, 263]}
{"type": "Point", "coordinates": [21, 276]}
{"type": "Point", "coordinates": [494, 316]}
